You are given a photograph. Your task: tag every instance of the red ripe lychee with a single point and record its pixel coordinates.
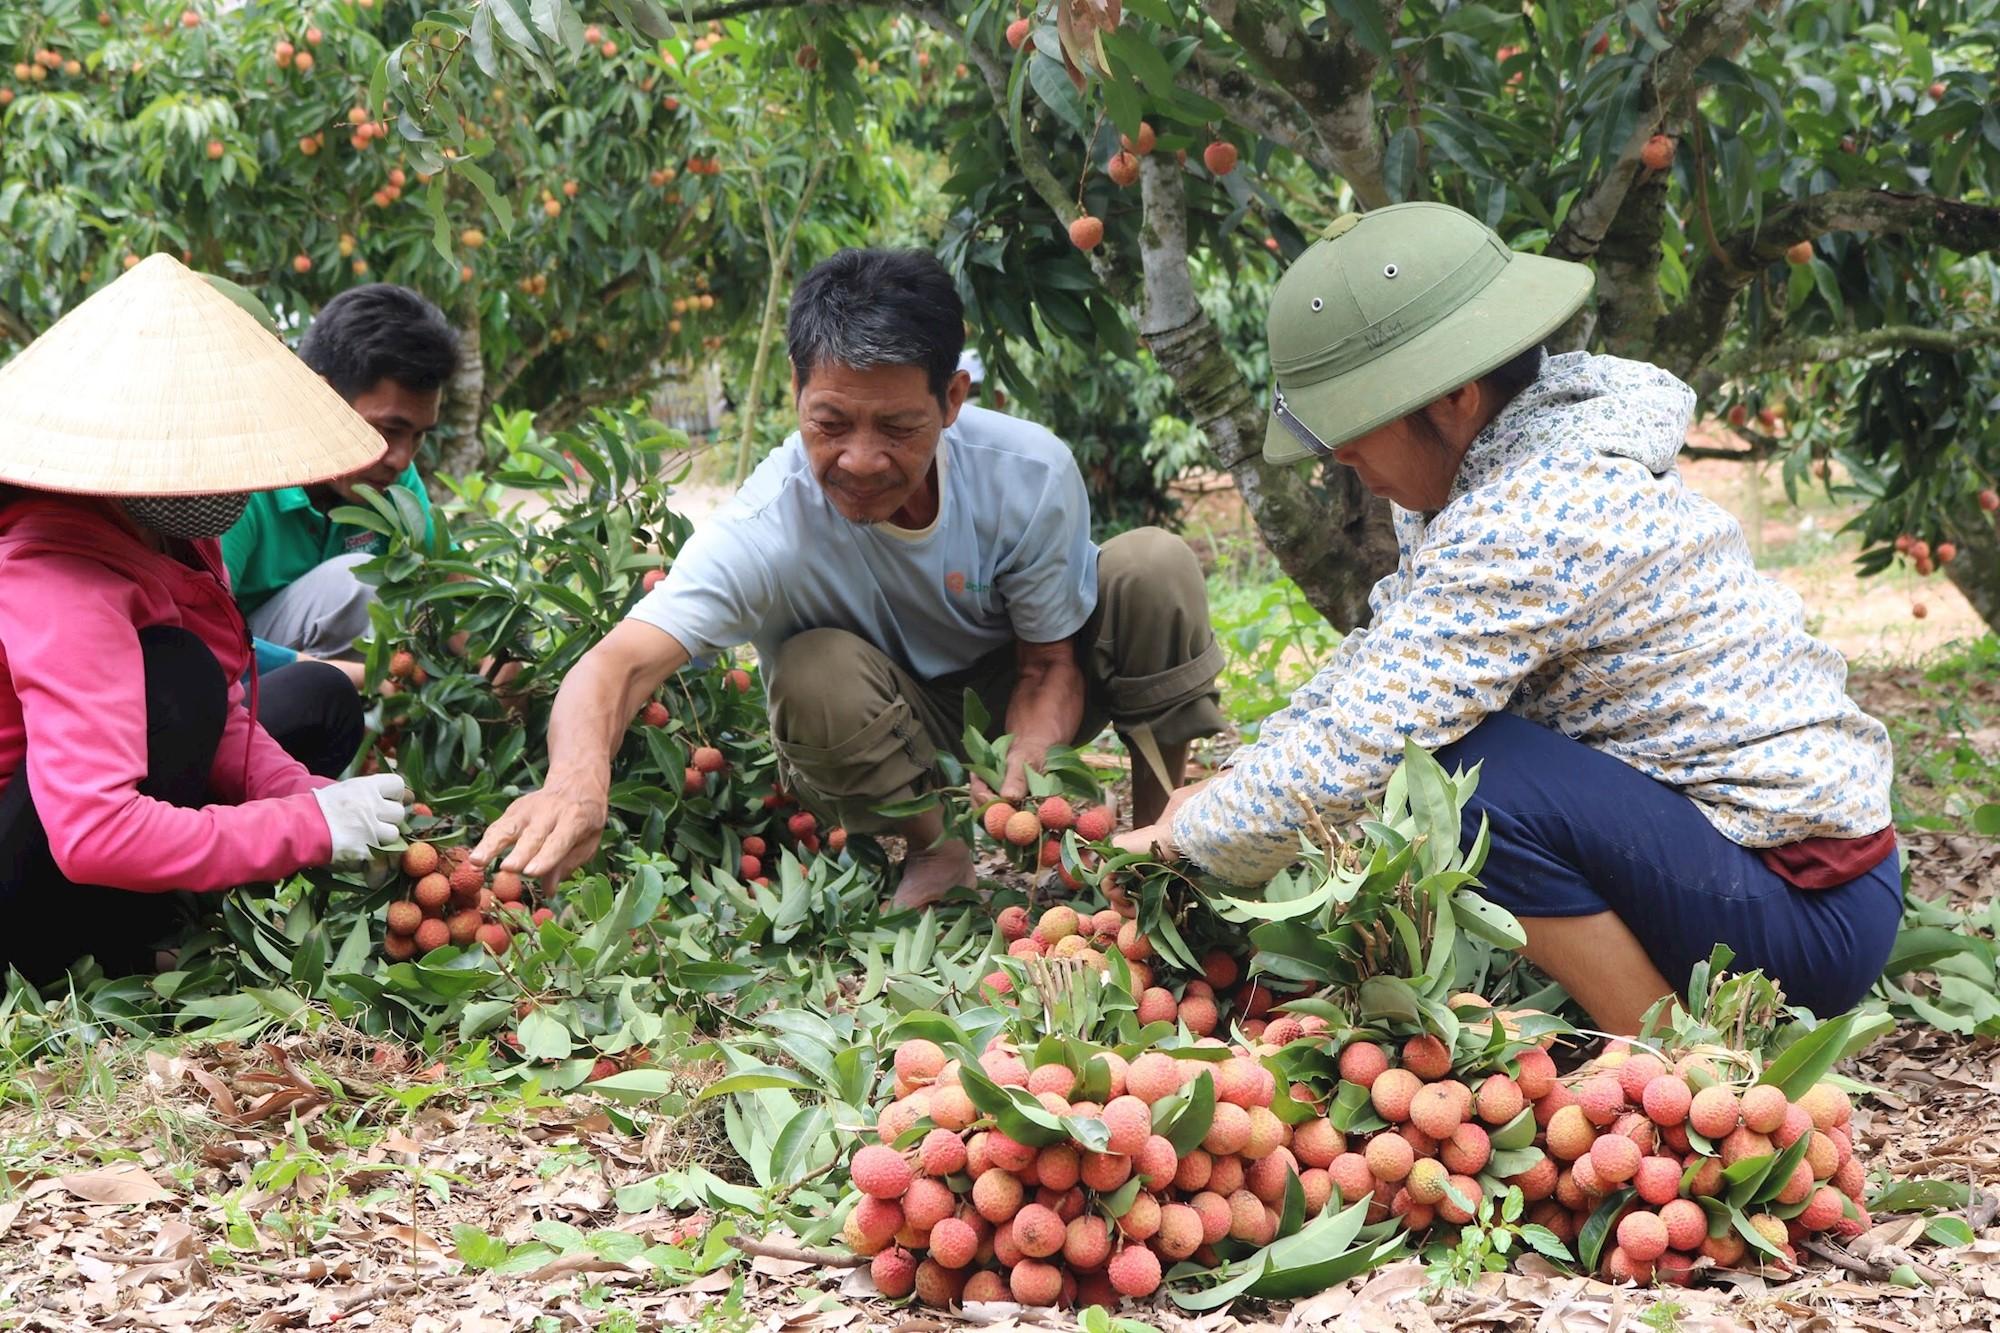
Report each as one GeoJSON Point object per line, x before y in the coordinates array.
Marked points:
{"type": "Point", "coordinates": [708, 759]}
{"type": "Point", "coordinates": [1538, 1073]}
{"type": "Point", "coordinates": [1198, 1012]}
{"type": "Point", "coordinates": [1059, 1079]}
{"type": "Point", "coordinates": [1180, 1233]}
{"type": "Point", "coordinates": [1685, 1222]}
{"type": "Point", "coordinates": [1537, 1182]}
{"type": "Point", "coordinates": [1006, 1152]}
{"type": "Point", "coordinates": [1094, 824]}
{"type": "Point", "coordinates": [802, 825]}
{"type": "Point", "coordinates": [1192, 1174]}
{"type": "Point", "coordinates": [466, 881]}
{"type": "Point", "coordinates": [1214, 1212]}
{"type": "Point", "coordinates": [1219, 969]}
{"type": "Point", "coordinates": [896, 1118]}
{"type": "Point", "coordinates": [919, 1061]}
{"type": "Point", "coordinates": [942, 1153]}
{"type": "Point", "coordinates": [1635, 1126]}
{"type": "Point", "coordinates": [1246, 1218]}
{"type": "Point", "coordinates": [1466, 1188]}
{"type": "Point", "coordinates": [1013, 922]}
{"type": "Point", "coordinates": [1435, 1111]}
{"type": "Point", "coordinates": [1795, 1126]}
{"type": "Point", "coordinates": [1219, 157]}
{"type": "Point", "coordinates": [1740, 1144]}
{"type": "Point", "coordinates": [431, 893]}
{"type": "Point", "coordinates": [432, 934]}
{"type": "Point", "coordinates": [1032, 1281]}
{"type": "Point", "coordinates": [1228, 1131]}
{"type": "Point", "coordinates": [1104, 1171]}
{"type": "Point", "coordinates": [878, 1220]}
{"type": "Point", "coordinates": [1389, 1157]}
{"type": "Point", "coordinates": [1123, 169]}
{"type": "Point", "coordinates": [1850, 1179]}
{"type": "Point", "coordinates": [1225, 1175]}
{"type": "Point", "coordinates": [880, 1171]}
{"type": "Point", "coordinates": [1426, 1057]}
{"type": "Point", "coordinates": [1666, 1099]}
{"type": "Point", "coordinates": [1086, 1243]}
{"type": "Point", "coordinates": [655, 714]}
{"type": "Point", "coordinates": [1392, 1093]}
{"type": "Point", "coordinates": [1798, 1186]}
{"type": "Point", "coordinates": [1130, 1121]}
{"type": "Point", "coordinates": [1499, 1100]}
{"type": "Point", "coordinates": [399, 948]}
{"type": "Point", "coordinates": [1658, 154]}
{"type": "Point", "coordinates": [985, 1285]}
{"type": "Point", "coordinates": [1426, 1180]}
{"type": "Point", "coordinates": [1468, 1150]}
{"type": "Point", "coordinates": [1017, 37]}
{"type": "Point", "coordinates": [1615, 1158]}
{"type": "Point", "coordinates": [494, 936]}
{"type": "Point", "coordinates": [1823, 1209]}
{"type": "Point", "coordinates": [1153, 1076]}
{"type": "Point", "coordinates": [1268, 1174]}
{"type": "Point", "coordinates": [1237, 1080]}
{"type": "Point", "coordinates": [1156, 1162]}
{"type": "Point", "coordinates": [1317, 1142]}
{"type": "Point", "coordinates": [1352, 1176]}
{"type": "Point", "coordinates": [1038, 1231]}
{"type": "Point", "coordinates": [1658, 1180]}
{"type": "Point", "coordinates": [998, 1196]}
{"type": "Point", "coordinates": [895, 1272]}
{"type": "Point", "coordinates": [1135, 1272]}
{"type": "Point", "coordinates": [937, 1285]}
{"type": "Point", "coordinates": [1637, 1071]}
{"type": "Point", "coordinates": [1619, 1266]}
{"type": "Point", "coordinates": [1552, 1101]}
{"type": "Point", "coordinates": [404, 918]}
{"type": "Point", "coordinates": [419, 859]}
{"type": "Point", "coordinates": [1713, 1112]}
{"type": "Point", "coordinates": [1727, 1250]}
{"type": "Point", "coordinates": [1140, 1220]}
{"type": "Point", "coordinates": [1643, 1235]}
{"type": "Point", "coordinates": [508, 887]}
{"type": "Point", "coordinates": [1132, 941]}
{"type": "Point", "coordinates": [1056, 814]}
{"type": "Point", "coordinates": [996, 818]}
{"type": "Point", "coordinates": [1602, 1099]}
{"type": "Point", "coordinates": [1363, 1062]}
{"type": "Point", "coordinates": [1087, 232]}
{"type": "Point", "coordinates": [1708, 1179]}
{"type": "Point", "coordinates": [1763, 1108]}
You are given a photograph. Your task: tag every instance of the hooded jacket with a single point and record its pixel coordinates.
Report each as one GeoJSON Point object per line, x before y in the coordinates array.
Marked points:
{"type": "Point", "coordinates": [76, 586]}
{"type": "Point", "coordinates": [1572, 579]}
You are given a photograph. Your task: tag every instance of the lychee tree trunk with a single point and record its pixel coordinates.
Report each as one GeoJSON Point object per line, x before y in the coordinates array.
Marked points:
{"type": "Point", "coordinates": [1331, 537]}
{"type": "Point", "coordinates": [1976, 572]}
{"type": "Point", "coordinates": [461, 452]}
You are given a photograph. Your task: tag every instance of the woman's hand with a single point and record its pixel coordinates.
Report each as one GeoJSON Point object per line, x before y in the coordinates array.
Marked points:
{"type": "Point", "coordinates": [1158, 838]}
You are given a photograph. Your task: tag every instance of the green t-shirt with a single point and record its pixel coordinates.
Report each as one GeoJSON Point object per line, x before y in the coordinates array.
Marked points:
{"type": "Point", "coordinates": [281, 538]}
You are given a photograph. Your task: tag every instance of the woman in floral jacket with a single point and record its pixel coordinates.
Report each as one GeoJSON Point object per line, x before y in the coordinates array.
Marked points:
{"type": "Point", "coordinates": [1668, 760]}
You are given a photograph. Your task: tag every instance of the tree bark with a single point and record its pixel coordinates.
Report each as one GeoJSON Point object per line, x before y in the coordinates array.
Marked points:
{"type": "Point", "coordinates": [779, 251]}
{"type": "Point", "coordinates": [1331, 537]}
{"type": "Point", "coordinates": [462, 451]}
{"type": "Point", "coordinates": [1976, 572]}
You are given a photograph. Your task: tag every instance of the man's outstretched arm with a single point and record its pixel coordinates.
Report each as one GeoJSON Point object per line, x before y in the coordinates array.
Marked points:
{"type": "Point", "coordinates": [555, 830]}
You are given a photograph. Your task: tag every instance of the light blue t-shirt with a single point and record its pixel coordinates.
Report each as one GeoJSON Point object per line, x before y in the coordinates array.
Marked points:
{"type": "Point", "coordinates": [1008, 557]}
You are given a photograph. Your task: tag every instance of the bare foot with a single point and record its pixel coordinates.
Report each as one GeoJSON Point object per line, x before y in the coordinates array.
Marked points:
{"type": "Point", "coordinates": [932, 872]}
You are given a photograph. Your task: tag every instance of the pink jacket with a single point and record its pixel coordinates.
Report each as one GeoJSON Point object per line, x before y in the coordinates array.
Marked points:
{"type": "Point", "coordinates": [76, 585]}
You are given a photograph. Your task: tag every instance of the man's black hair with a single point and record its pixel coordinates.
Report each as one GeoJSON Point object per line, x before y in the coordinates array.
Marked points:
{"type": "Point", "coordinates": [376, 332]}
{"type": "Point", "coordinates": [869, 308]}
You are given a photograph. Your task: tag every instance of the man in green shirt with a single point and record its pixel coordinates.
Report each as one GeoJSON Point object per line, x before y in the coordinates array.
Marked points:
{"type": "Point", "coordinates": [388, 352]}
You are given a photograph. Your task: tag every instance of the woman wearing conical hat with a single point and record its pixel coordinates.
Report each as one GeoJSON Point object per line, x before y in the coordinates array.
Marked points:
{"type": "Point", "coordinates": [131, 764]}
{"type": "Point", "coordinates": [1668, 760]}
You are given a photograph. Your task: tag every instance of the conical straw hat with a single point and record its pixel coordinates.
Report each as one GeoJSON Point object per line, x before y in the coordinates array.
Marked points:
{"type": "Point", "coordinates": [159, 384]}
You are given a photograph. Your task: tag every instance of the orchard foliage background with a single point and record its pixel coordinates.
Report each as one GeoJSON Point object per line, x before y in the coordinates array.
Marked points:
{"type": "Point", "coordinates": [606, 195]}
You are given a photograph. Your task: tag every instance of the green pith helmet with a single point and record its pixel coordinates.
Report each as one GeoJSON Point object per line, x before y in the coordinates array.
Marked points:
{"type": "Point", "coordinates": [1393, 309]}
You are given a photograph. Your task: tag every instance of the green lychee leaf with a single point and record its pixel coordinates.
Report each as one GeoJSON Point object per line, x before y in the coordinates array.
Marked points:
{"type": "Point", "coordinates": [1192, 1124]}
{"type": "Point", "coordinates": [1119, 1202]}
{"type": "Point", "coordinates": [1507, 1163]}
{"type": "Point", "coordinates": [1755, 1239]}
{"type": "Point", "coordinates": [1516, 1133]}
{"type": "Point", "coordinates": [1292, 1215]}
{"type": "Point", "coordinates": [1806, 1061]}
{"type": "Point", "coordinates": [1590, 1241]}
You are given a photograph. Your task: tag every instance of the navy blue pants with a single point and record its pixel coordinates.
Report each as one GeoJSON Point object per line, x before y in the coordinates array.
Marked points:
{"type": "Point", "coordinates": [1576, 831]}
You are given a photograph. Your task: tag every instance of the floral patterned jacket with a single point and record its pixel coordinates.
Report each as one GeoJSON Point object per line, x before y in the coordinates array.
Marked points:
{"type": "Point", "coordinates": [1571, 579]}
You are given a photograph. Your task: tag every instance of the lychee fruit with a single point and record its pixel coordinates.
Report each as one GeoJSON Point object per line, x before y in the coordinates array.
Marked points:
{"type": "Point", "coordinates": [1615, 1158]}
{"type": "Point", "coordinates": [1219, 157]}
{"type": "Point", "coordinates": [1796, 1125]}
{"type": "Point", "coordinates": [1153, 1076]}
{"type": "Point", "coordinates": [880, 1171]}
{"type": "Point", "coordinates": [998, 1196]}
{"type": "Point", "coordinates": [1570, 1134]}
{"type": "Point", "coordinates": [1038, 1231]}
{"type": "Point", "coordinates": [1219, 970]}
{"type": "Point", "coordinates": [1157, 1163]}
{"type": "Point", "coordinates": [1468, 1150]}
{"type": "Point", "coordinates": [1008, 1153]}
{"type": "Point", "coordinates": [1619, 1266]}
{"type": "Point", "coordinates": [1666, 1099]}
{"type": "Point", "coordinates": [1135, 1272]}
{"type": "Point", "coordinates": [1658, 154]}
{"type": "Point", "coordinates": [1637, 1071]}
{"type": "Point", "coordinates": [942, 1153]}
{"type": "Point", "coordinates": [1180, 1233]}
{"type": "Point", "coordinates": [895, 1272]}
{"type": "Point", "coordinates": [1086, 233]}
{"type": "Point", "coordinates": [1389, 1157]}
{"type": "Point", "coordinates": [1426, 1057]}
{"type": "Point", "coordinates": [1763, 1108]}
{"type": "Point", "coordinates": [918, 1060]}
{"type": "Point", "coordinates": [1198, 1012]}
{"type": "Point", "coordinates": [1658, 1180]}
{"type": "Point", "coordinates": [1713, 1112]}
{"type": "Point", "coordinates": [419, 859]}
{"type": "Point", "coordinates": [1317, 1142]}
{"type": "Point", "coordinates": [1130, 1121]}
{"type": "Point", "coordinates": [398, 948]}
{"type": "Point", "coordinates": [1466, 1188]}
{"type": "Point", "coordinates": [1823, 1209]}
{"type": "Point", "coordinates": [1499, 1100]}
{"type": "Point", "coordinates": [1538, 1073]}
{"type": "Point", "coordinates": [431, 893]}
{"type": "Point", "coordinates": [1642, 1235]}
{"type": "Point", "coordinates": [1827, 1105]}
{"type": "Point", "coordinates": [1104, 1171]}
{"type": "Point", "coordinates": [1740, 1144]}
{"type": "Point", "coordinates": [1246, 1218]}
{"type": "Point", "coordinates": [432, 934]}
{"type": "Point", "coordinates": [1228, 1131]}
{"type": "Point", "coordinates": [1392, 1092]}
{"type": "Point", "coordinates": [1537, 1182]}
{"type": "Point", "coordinates": [1686, 1224]}
{"type": "Point", "coordinates": [954, 1242]}
{"type": "Point", "coordinates": [938, 1285]}
{"type": "Point", "coordinates": [494, 936]}
{"type": "Point", "coordinates": [1034, 1282]}
{"type": "Point", "coordinates": [404, 918]}
{"type": "Point", "coordinates": [1225, 1175]}
{"type": "Point", "coordinates": [1435, 1111]}
{"type": "Point", "coordinates": [1602, 1099]}
{"type": "Point", "coordinates": [1141, 1219]}
{"type": "Point", "coordinates": [1267, 1175]}
{"type": "Point", "coordinates": [995, 819]}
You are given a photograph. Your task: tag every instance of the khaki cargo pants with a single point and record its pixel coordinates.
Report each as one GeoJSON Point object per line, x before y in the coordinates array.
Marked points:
{"type": "Point", "coordinates": [855, 730]}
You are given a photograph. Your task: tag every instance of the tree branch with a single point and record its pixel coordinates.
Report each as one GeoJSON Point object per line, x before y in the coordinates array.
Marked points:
{"type": "Point", "coordinates": [1252, 104]}
{"type": "Point", "coordinates": [1711, 29]}
{"type": "Point", "coordinates": [1331, 78]}
{"type": "Point", "coordinates": [1846, 346]}
{"type": "Point", "coordinates": [1690, 335]}
{"type": "Point", "coordinates": [14, 326]}
{"type": "Point", "coordinates": [731, 8]}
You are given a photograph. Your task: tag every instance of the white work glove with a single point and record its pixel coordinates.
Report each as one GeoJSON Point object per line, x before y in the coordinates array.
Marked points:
{"type": "Point", "coordinates": [363, 814]}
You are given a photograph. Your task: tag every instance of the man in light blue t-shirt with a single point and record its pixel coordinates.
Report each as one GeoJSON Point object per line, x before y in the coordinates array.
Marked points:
{"type": "Point", "coordinates": [899, 549]}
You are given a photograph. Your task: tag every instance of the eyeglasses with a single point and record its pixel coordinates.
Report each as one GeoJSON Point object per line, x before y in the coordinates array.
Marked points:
{"type": "Point", "coordinates": [1300, 431]}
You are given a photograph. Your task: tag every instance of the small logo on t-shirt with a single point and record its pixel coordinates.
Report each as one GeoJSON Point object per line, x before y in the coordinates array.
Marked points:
{"type": "Point", "coordinates": [957, 584]}
{"type": "Point", "coordinates": [363, 541]}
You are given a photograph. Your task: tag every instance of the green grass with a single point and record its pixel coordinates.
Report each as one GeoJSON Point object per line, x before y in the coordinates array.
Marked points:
{"type": "Point", "coordinates": [1943, 730]}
